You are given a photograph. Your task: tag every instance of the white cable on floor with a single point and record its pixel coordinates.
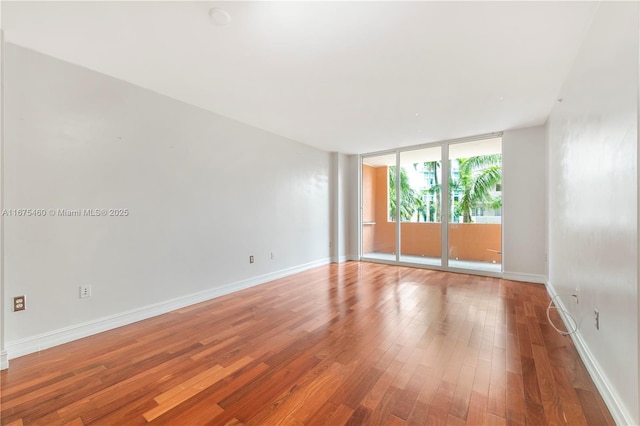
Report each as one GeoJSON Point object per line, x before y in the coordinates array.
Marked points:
{"type": "Point", "coordinates": [562, 312]}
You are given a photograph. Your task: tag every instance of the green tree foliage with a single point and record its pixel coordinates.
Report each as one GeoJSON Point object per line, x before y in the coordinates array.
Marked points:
{"type": "Point", "coordinates": [422, 207]}
{"type": "Point", "coordinates": [477, 179]}
{"type": "Point", "coordinates": [408, 196]}
{"type": "Point", "coordinates": [432, 166]}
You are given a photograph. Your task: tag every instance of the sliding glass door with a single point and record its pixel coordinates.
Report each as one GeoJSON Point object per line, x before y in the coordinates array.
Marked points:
{"type": "Point", "coordinates": [418, 209]}
{"type": "Point", "coordinates": [378, 227]}
{"type": "Point", "coordinates": [475, 205]}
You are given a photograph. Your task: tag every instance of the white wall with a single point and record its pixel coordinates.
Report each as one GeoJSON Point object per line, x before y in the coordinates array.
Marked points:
{"type": "Point", "coordinates": [340, 199]}
{"type": "Point", "coordinates": [3, 353]}
{"type": "Point", "coordinates": [353, 208]}
{"type": "Point", "coordinates": [203, 192]}
{"type": "Point", "coordinates": [524, 202]}
{"type": "Point", "coordinates": [593, 234]}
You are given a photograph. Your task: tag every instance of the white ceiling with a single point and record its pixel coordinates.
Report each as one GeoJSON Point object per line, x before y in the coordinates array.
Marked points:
{"type": "Point", "coordinates": [353, 77]}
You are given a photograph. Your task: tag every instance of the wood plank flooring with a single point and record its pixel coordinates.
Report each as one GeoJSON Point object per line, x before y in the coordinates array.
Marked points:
{"type": "Point", "coordinates": [355, 343]}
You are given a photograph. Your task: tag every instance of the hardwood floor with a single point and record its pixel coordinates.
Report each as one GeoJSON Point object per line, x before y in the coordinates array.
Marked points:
{"type": "Point", "coordinates": [355, 343]}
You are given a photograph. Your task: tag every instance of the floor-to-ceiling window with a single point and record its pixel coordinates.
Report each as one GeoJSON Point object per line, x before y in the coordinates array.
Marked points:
{"type": "Point", "coordinates": [475, 205]}
{"type": "Point", "coordinates": [418, 209]}
{"type": "Point", "coordinates": [378, 231]}
{"type": "Point", "coordinates": [420, 206]}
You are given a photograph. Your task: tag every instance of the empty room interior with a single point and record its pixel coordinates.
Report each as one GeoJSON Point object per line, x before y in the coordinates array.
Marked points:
{"type": "Point", "coordinates": [319, 213]}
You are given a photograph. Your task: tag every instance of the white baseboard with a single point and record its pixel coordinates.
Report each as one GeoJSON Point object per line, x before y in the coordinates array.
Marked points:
{"type": "Point", "coordinates": [340, 259]}
{"type": "Point", "coordinates": [353, 257]}
{"type": "Point", "coordinates": [528, 278]}
{"type": "Point", "coordinates": [4, 360]}
{"type": "Point", "coordinates": [618, 411]}
{"type": "Point", "coordinates": [64, 335]}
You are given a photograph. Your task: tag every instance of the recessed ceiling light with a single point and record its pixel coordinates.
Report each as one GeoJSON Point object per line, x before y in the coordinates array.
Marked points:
{"type": "Point", "coordinates": [417, 114]}
{"type": "Point", "coordinates": [219, 16]}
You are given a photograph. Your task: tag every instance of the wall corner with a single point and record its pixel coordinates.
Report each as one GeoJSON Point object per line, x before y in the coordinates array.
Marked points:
{"type": "Point", "coordinates": [4, 360]}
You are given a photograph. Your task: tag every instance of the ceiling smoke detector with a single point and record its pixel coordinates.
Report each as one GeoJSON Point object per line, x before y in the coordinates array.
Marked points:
{"type": "Point", "coordinates": [219, 17]}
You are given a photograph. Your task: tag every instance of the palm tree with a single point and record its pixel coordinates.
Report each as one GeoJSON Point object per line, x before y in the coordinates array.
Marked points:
{"type": "Point", "coordinates": [477, 179]}
{"type": "Point", "coordinates": [422, 208]}
{"type": "Point", "coordinates": [433, 167]}
{"type": "Point", "coordinates": [407, 195]}
{"type": "Point", "coordinates": [425, 208]}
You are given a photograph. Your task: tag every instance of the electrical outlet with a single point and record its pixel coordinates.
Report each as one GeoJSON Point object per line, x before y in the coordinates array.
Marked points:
{"type": "Point", "coordinates": [19, 303]}
{"type": "Point", "coordinates": [251, 259]}
{"type": "Point", "coordinates": [273, 255]}
{"type": "Point", "coordinates": [85, 291]}
{"type": "Point", "coordinates": [596, 318]}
